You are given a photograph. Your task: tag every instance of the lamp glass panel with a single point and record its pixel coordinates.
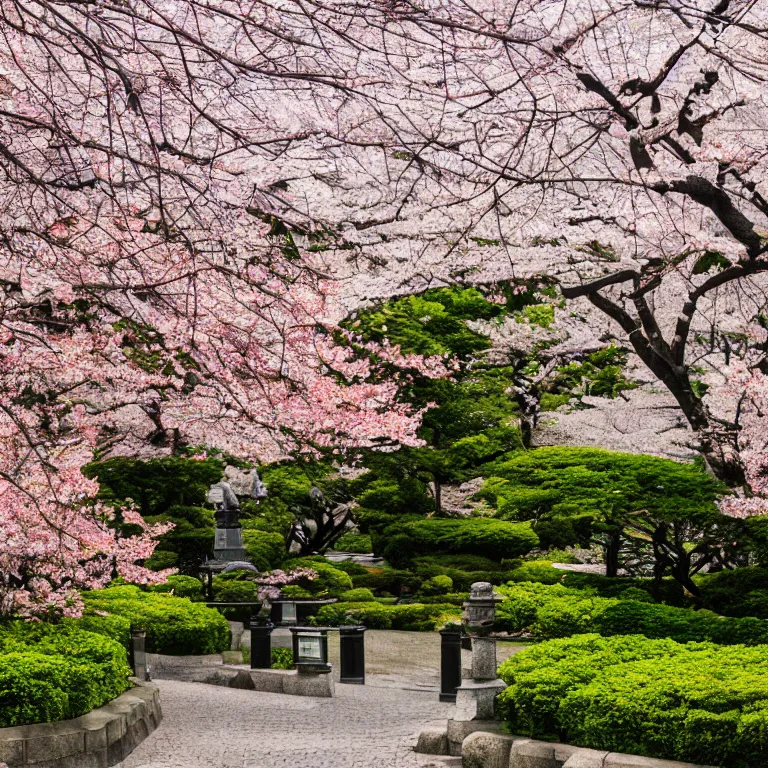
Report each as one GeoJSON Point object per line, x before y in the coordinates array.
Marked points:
{"type": "Point", "coordinates": [310, 649]}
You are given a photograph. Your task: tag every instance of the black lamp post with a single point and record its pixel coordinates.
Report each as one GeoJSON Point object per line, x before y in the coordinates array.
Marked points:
{"type": "Point", "coordinates": [352, 655]}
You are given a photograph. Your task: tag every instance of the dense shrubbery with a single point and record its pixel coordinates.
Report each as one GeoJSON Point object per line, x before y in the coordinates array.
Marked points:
{"type": "Point", "coordinates": [493, 539]}
{"type": "Point", "coordinates": [537, 570]}
{"type": "Point", "coordinates": [50, 673]}
{"type": "Point", "coordinates": [389, 580]}
{"type": "Point", "coordinates": [330, 581]}
{"type": "Point", "coordinates": [556, 611]}
{"type": "Point", "coordinates": [414, 617]}
{"type": "Point", "coordinates": [174, 625]}
{"type": "Point", "coordinates": [354, 542]}
{"type": "Point", "coordinates": [742, 592]}
{"type": "Point", "coordinates": [282, 658]}
{"type": "Point", "coordinates": [181, 586]}
{"type": "Point", "coordinates": [696, 702]}
{"type": "Point", "coordinates": [265, 549]}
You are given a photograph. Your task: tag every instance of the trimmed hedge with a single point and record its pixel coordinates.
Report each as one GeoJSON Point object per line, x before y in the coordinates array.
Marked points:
{"type": "Point", "coordinates": [352, 541]}
{"type": "Point", "coordinates": [540, 571]}
{"type": "Point", "coordinates": [741, 592]}
{"type": "Point", "coordinates": [415, 617]}
{"type": "Point", "coordinates": [489, 538]}
{"type": "Point", "coordinates": [330, 581]}
{"type": "Point", "coordinates": [181, 586]}
{"type": "Point", "coordinates": [360, 595]}
{"type": "Point", "coordinates": [175, 625]}
{"type": "Point", "coordinates": [50, 673]}
{"type": "Point", "coordinates": [697, 702]}
{"type": "Point", "coordinates": [265, 549]}
{"type": "Point", "coordinates": [556, 611]}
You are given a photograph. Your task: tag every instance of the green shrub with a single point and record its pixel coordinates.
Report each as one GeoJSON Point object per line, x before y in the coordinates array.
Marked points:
{"type": "Point", "coordinates": [265, 549]}
{"type": "Point", "coordinates": [556, 611]}
{"type": "Point", "coordinates": [740, 592]}
{"type": "Point", "coordinates": [437, 585]}
{"type": "Point", "coordinates": [181, 586]}
{"type": "Point", "coordinates": [174, 625]}
{"type": "Point", "coordinates": [387, 580]}
{"type": "Point", "coordinates": [475, 536]}
{"type": "Point", "coordinates": [415, 617]}
{"type": "Point", "coordinates": [666, 591]}
{"type": "Point", "coordinates": [50, 673]}
{"type": "Point", "coordinates": [191, 546]}
{"type": "Point", "coordinates": [696, 702]}
{"type": "Point", "coordinates": [536, 570]}
{"type": "Point", "coordinates": [116, 627]}
{"type": "Point", "coordinates": [234, 591]}
{"type": "Point", "coordinates": [330, 581]}
{"type": "Point", "coordinates": [354, 542]}
{"type": "Point", "coordinates": [462, 562]}
{"type": "Point", "coordinates": [282, 658]}
{"type": "Point", "coordinates": [159, 560]}
{"type": "Point", "coordinates": [353, 569]}
{"type": "Point", "coordinates": [295, 591]}
{"type": "Point", "coordinates": [359, 595]}
{"type": "Point", "coordinates": [559, 556]}
{"type": "Point", "coordinates": [451, 598]}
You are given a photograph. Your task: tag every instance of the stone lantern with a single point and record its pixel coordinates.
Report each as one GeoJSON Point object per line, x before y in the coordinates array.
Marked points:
{"type": "Point", "coordinates": [480, 610]}
{"type": "Point", "coordinates": [475, 698]}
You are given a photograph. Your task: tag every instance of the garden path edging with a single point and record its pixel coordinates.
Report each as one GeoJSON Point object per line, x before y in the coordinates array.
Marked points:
{"type": "Point", "coordinates": [99, 739]}
{"type": "Point", "coordinates": [483, 746]}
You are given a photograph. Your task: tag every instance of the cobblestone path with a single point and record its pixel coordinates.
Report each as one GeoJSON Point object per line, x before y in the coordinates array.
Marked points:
{"type": "Point", "coordinates": [370, 726]}
{"type": "Point", "coordinates": [206, 726]}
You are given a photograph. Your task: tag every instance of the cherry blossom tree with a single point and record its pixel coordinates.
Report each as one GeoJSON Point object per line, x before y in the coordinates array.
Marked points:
{"type": "Point", "coordinates": [616, 144]}
{"type": "Point", "coordinates": [193, 194]}
{"type": "Point", "coordinates": [154, 294]}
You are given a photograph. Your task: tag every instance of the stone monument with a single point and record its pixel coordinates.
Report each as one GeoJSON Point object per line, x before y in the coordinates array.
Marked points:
{"type": "Point", "coordinates": [228, 551]}
{"type": "Point", "coordinates": [475, 698]}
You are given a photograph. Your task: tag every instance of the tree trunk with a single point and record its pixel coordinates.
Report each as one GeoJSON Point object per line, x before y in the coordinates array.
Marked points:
{"type": "Point", "coordinates": [438, 496]}
{"type": "Point", "coordinates": [611, 549]}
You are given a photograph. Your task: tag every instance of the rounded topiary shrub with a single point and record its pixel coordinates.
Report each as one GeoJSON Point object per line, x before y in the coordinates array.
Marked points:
{"type": "Point", "coordinates": [437, 585]}
{"type": "Point", "coordinates": [174, 625]}
{"type": "Point", "coordinates": [359, 595]}
{"type": "Point", "coordinates": [330, 581]}
{"type": "Point", "coordinates": [50, 673]}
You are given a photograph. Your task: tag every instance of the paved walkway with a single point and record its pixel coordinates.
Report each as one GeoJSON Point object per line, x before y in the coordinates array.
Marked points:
{"type": "Point", "coordinates": [206, 726]}
{"type": "Point", "coordinates": [370, 726]}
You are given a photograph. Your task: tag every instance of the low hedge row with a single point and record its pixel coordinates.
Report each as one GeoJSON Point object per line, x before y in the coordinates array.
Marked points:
{"type": "Point", "coordinates": [174, 625]}
{"type": "Point", "coordinates": [415, 617]}
{"type": "Point", "coordinates": [494, 539]}
{"type": "Point", "coordinates": [694, 702]}
{"type": "Point", "coordinates": [556, 611]}
{"type": "Point", "coordinates": [50, 673]}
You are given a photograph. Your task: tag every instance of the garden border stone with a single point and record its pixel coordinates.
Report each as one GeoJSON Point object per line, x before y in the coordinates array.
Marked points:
{"type": "Point", "coordinates": [482, 744]}
{"type": "Point", "coordinates": [99, 739]}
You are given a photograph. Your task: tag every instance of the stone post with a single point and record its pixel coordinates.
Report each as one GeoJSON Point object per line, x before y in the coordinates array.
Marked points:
{"type": "Point", "coordinates": [139, 654]}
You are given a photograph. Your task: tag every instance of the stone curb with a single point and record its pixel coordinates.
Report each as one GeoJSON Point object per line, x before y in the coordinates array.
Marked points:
{"type": "Point", "coordinates": [100, 739]}
{"type": "Point", "coordinates": [482, 746]}
{"type": "Point", "coordinates": [213, 671]}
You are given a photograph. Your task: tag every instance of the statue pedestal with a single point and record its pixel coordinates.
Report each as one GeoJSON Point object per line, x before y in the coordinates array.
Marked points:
{"type": "Point", "coordinates": [228, 545]}
{"type": "Point", "coordinates": [475, 698]}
